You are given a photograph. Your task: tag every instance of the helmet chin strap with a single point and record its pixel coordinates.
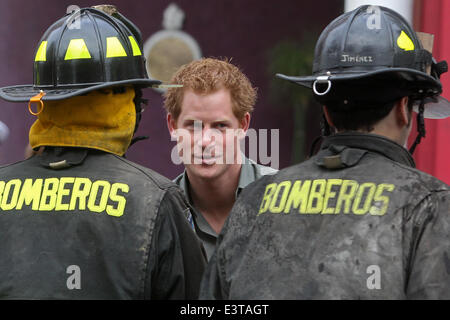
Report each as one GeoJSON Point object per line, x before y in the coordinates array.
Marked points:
{"type": "Point", "coordinates": [138, 102]}
{"type": "Point", "coordinates": [325, 130]}
{"type": "Point", "coordinates": [420, 126]}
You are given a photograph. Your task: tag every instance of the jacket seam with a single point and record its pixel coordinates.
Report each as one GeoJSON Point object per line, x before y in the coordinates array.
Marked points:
{"type": "Point", "coordinates": [150, 236]}
{"type": "Point", "coordinates": [145, 173]}
{"type": "Point", "coordinates": [414, 171]}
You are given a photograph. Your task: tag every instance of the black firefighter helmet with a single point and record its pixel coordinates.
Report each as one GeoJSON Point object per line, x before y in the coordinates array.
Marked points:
{"type": "Point", "coordinates": [371, 54]}
{"type": "Point", "coordinates": [84, 51]}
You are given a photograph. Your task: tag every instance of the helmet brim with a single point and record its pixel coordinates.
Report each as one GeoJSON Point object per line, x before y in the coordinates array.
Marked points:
{"type": "Point", "coordinates": [23, 93]}
{"type": "Point", "coordinates": [370, 77]}
{"type": "Point", "coordinates": [435, 108]}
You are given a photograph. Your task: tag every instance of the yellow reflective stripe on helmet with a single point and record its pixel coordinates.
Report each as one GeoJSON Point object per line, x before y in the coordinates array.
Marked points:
{"type": "Point", "coordinates": [41, 54]}
{"type": "Point", "coordinates": [404, 42]}
{"type": "Point", "coordinates": [135, 46]}
{"type": "Point", "coordinates": [77, 49]}
{"type": "Point", "coordinates": [114, 48]}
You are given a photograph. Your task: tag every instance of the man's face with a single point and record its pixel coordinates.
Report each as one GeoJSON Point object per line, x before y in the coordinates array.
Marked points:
{"type": "Point", "coordinates": [209, 132]}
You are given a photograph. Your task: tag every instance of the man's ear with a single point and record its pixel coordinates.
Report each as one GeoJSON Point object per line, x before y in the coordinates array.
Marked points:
{"type": "Point", "coordinates": [327, 117]}
{"type": "Point", "coordinates": [171, 125]}
{"type": "Point", "coordinates": [244, 124]}
{"type": "Point", "coordinates": [402, 113]}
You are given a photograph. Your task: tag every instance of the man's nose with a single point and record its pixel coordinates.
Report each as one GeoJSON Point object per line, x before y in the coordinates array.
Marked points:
{"type": "Point", "coordinates": [205, 138]}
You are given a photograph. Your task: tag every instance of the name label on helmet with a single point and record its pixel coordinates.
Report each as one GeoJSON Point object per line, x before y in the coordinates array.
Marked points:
{"type": "Point", "coordinates": [357, 58]}
{"type": "Point", "coordinates": [64, 194]}
{"type": "Point", "coordinates": [326, 196]}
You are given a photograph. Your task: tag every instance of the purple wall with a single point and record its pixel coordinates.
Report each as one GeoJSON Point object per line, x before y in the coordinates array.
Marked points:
{"type": "Point", "coordinates": [240, 29]}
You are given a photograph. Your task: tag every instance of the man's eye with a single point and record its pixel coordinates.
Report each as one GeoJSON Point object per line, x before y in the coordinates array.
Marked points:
{"type": "Point", "coordinates": [221, 125]}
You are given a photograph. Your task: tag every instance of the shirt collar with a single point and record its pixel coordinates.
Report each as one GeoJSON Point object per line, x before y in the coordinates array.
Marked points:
{"type": "Point", "coordinates": [247, 174]}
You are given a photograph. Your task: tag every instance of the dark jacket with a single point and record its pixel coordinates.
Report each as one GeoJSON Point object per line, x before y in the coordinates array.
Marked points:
{"type": "Point", "coordinates": [357, 221]}
{"type": "Point", "coordinates": [84, 224]}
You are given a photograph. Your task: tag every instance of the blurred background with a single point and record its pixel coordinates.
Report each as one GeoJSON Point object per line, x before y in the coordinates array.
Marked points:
{"type": "Point", "coordinates": [261, 37]}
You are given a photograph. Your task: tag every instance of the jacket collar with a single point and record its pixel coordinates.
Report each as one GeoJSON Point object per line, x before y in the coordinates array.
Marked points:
{"type": "Point", "coordinates": [353, 145]}
{"type": "Point", "coordinates": [63, 157]}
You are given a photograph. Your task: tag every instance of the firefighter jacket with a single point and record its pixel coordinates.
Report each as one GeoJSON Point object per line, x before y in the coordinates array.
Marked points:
{"type": "Point", "coordinates": [356, 221]}
{"type": "Point", "coordinates": [79, 223]}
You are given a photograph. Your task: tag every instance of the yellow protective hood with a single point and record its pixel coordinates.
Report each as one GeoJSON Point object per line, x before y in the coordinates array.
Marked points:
{"type": "Point", "coordinates": [100, 120]}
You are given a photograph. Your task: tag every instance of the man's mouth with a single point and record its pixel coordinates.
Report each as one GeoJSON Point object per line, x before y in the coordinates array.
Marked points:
{"type": "Point", "coordinates": [208, 160]}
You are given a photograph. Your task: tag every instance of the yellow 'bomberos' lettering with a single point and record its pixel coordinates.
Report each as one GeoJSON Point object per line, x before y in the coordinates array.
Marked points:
{"type": "Point", "coordinates": [64, 194]}
{"type": "Point", "coordinates": [381, 202]}
{"type": "Point", "coordinates": [332, 196]}
{"type": "Point", "coordinates": [346, 195]}
{"type": "Point", "coordinates": [120, 200]}
{"type": "Point", "coordinates": [95, 194]}
{"type": "Point", "coordinates": [298, 197]}
{"type": "Point", "coordinates": [267, 198]}
{"type": "Point", "coordinates": [277, 206]}
{"type": "Point", "coordinates": [370, 187]}
{"type": "Point", "coordinates": [30, 193]}
{"type": "Point", "coordinates": [315, 202]}
{"type": "Point", "coordinates": [11, 194]}
{"type": "Point", "coordinates": [49, 192]}
{"type": "Point", "coordinates": [329, 194]}
{"type": "Point", "coordinates": [81, 189]}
